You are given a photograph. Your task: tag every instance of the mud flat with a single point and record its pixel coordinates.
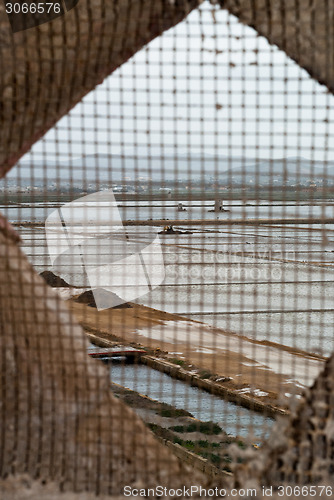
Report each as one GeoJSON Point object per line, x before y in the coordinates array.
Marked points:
{"type": "Point", "coordinates": [258, 374]}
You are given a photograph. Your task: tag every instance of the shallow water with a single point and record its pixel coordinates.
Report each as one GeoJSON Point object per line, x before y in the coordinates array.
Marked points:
{"type": "Point", "coordinates": [233, 419]}
{"type": "Point", "coordinates": [144, 210]}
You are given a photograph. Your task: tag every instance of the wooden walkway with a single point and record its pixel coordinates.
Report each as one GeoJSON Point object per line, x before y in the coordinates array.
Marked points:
{"type": "Point", "coordinates": [115, 352]}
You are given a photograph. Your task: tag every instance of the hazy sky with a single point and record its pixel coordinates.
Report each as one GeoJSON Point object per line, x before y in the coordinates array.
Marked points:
{"type": "Point", "coordinates": [210, 86]}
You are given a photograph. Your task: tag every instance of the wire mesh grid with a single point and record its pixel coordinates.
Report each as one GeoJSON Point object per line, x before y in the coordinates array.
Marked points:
{"type": "Point", "coordinates": [182, 212]}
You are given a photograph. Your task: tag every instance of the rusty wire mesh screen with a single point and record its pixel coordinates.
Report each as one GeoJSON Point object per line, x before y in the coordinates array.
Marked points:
{"type": "Point", "coordinates": [182, 213]}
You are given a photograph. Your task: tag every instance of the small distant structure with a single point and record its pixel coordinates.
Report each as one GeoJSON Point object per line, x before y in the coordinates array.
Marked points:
{"type": "Point", "coordinates": [166, 191]}
{"type": "Point", "coordinates": [170, 230]}
{"type": "Point", "coordinates": [219, 207]}
{"type": "Point", "coordinates": [120, 188]}
{"type": "Point", "coordinates": [181, 208]}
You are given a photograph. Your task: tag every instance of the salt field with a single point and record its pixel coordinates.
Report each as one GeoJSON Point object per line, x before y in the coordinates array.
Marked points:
{"type": "Point", "coordinates": [264, 282]}
{"type": "Point", "coordinates": [144, 210]}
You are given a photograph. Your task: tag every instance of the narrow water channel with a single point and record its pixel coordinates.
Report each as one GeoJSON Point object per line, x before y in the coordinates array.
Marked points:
{"type": "Point", "coordinates": [233, 419]}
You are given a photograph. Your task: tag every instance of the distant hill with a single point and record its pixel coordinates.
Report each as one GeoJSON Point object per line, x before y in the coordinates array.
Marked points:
{"type": "Point", "coordinates": [284, 167]}
{"type": "Point", "coordinates": [103, 168]}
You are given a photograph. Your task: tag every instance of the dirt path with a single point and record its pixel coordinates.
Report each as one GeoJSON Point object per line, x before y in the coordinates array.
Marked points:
{"type": "Point", "coordinates": [269, 372]}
